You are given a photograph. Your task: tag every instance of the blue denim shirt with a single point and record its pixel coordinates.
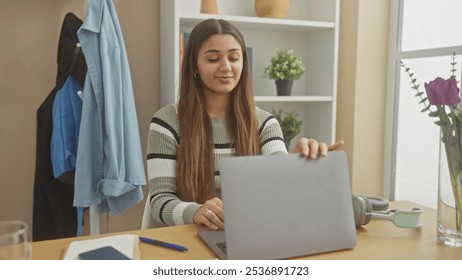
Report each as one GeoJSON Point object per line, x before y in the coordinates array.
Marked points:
{"type": "Point", "coordinates": [110, 166]}
{"type": "Point", "coordinates": [67, 111]}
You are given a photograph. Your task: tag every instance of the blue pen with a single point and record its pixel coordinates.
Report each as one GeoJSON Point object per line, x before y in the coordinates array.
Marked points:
{"type": "Point", "coordinates": [163, 244]}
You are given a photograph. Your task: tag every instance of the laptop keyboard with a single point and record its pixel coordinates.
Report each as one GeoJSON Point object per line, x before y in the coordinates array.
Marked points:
{"type": "Point", "coordinates": [222, 246]}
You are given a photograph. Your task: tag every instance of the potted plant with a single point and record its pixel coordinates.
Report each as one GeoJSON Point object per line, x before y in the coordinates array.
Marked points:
{"type": "Point", "coordinates": [285, 67]}
{"type": "Point", "coordinates": [290, 124]}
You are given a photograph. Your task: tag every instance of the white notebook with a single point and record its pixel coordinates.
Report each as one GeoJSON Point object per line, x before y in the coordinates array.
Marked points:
{"type": "Point", "coordinates": [127, 244]}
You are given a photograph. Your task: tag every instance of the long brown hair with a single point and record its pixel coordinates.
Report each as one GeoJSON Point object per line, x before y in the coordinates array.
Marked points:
{"type": "Point", "coordinates": [196, 159]}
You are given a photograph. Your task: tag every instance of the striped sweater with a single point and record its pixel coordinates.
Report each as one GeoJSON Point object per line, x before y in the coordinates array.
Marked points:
{"type": "Point", "coordinates": [163, 139]}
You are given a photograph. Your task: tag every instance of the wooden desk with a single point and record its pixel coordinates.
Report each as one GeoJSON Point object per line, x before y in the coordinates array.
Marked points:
{"type": "Point", "coordinates": [378, 240]}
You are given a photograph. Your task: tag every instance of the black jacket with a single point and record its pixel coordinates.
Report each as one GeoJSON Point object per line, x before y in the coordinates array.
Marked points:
{"type": "Point", "coordinates": [54, 214]}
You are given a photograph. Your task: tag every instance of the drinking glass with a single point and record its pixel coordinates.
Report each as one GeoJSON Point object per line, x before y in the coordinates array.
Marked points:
{"type": "Point", "coordinates": [15, 241]}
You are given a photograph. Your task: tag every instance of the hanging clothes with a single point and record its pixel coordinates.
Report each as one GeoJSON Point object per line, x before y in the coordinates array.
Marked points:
{"type": "Point", "coordinates": [67, 112]}
{"type": "Point", "coordinates": [54, 215]}
{"type": "Point", "coordinates": [110, 167]}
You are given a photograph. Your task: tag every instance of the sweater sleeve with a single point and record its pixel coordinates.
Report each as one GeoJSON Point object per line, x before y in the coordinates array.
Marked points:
{"type": "Point", "coordinates": [270, 132]}
{"type": "Point", "coordinates": [162, 148]}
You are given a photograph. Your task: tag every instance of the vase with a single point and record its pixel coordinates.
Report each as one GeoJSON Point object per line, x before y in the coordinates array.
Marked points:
{"type": "Point", "coordinates": [209, 7]}
{"type": "Point", "coordinates": [272, 8]}
{"type": "Point", "coordinates": [449, 211]}
{"type": "Point", "coordinates": [284, 87]}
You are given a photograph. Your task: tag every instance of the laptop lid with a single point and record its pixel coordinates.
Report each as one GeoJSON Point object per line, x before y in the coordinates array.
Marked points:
{"type": "Point", "coordinates": [286, 206]}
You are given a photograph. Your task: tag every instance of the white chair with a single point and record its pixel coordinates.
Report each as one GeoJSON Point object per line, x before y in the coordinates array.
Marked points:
{"type": "Point", "coordinates": [148, 221]}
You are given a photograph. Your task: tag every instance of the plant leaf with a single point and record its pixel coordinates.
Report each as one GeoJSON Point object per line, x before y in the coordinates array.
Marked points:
{"type": "Point", "coordinates": [434, 114]}
{"type": "Point", "coordinates": [423, 100]}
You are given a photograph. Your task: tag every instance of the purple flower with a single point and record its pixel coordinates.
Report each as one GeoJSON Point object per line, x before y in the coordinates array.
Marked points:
{"type": "Point", "coordinates": [443, 92]}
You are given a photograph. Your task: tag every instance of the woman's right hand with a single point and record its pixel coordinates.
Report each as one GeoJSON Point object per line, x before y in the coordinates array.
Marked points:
{"type": "Point", "coordinates": [210, 214]}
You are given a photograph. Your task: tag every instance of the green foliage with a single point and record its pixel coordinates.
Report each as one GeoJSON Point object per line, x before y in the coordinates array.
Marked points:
{"type": "Point", "coordinates": [290, 123]}
{"type": "Point", "coordinates": [286, 65]}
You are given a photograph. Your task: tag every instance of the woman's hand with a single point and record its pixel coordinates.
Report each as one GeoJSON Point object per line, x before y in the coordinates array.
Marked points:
{"type": "Point", "coordinates": [210, 214]}
{"type": "Point", "coordinates": [311, 148]}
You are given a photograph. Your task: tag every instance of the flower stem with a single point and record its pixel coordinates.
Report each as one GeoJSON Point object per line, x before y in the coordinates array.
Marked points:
{"type": "Point", "coordinates": [416, 86]}
{"type": "Point", "coordinates": [453, 154]}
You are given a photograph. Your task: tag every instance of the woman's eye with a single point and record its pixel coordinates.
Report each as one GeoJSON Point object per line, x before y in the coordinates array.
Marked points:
{"type": "Point", "coordinates": [216, 59]}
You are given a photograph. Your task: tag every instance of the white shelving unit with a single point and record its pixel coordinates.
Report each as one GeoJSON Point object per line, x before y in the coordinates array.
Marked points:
{"type": "Point", "coordinates": [310, 29]}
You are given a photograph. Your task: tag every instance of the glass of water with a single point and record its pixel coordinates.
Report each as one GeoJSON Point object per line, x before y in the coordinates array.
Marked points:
{"type": "Point", "coordinates": [15, 241]}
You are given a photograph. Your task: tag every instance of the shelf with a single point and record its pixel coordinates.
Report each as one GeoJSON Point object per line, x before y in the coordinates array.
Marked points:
{"type": "Point", "coordinates": [293, 99]}
{"type": "Point", "coordinates": [259, 23]}
{"type": "Point", "coordinates": [310, 28]}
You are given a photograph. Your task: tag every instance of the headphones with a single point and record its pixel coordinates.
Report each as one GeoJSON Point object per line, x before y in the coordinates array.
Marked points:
{"type": "Point", "coordinates": [367, 207]}
{"type": "Point", "coordinates": [364, 206]}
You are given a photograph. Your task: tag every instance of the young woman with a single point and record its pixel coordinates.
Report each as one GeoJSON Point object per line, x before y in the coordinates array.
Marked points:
{"type": "Point", "coordinates": [215, 117]}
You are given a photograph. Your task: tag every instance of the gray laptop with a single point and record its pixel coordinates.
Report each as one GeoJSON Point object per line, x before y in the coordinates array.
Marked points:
{"type": "Point", "coordinates": [278, 207]}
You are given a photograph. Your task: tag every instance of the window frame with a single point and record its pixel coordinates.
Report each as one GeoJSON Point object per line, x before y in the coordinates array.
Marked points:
{"type": "Point", "coordinates": [395, 55]}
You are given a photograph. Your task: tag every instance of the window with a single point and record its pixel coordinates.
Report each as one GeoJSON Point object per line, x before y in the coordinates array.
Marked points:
{"type": "Point", "coordinates": [423, 34]}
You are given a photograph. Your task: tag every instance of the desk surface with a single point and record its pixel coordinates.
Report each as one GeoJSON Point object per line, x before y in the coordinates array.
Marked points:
{"type": "Point", "coordinates": [379, 239]}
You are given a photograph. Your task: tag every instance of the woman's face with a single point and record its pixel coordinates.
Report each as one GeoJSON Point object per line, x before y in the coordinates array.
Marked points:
{"type": "Point", "coordinates": [220, 64]}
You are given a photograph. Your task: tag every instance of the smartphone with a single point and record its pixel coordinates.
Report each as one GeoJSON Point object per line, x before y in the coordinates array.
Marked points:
{"type": "Point", "coordinates": [103, 253]}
